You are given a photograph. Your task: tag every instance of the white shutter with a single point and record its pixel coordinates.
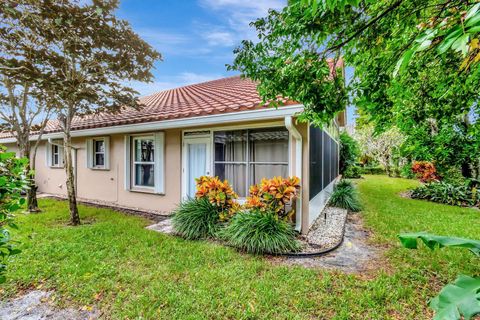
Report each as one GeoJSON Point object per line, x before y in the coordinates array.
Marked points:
{"type": "Point", "coordinates": [159, 162]}
{"type": "Point", "coordinates": [106, 142]}
{"type": "Point", "coordinates": [127, 164]}
{"type": "Point", "coordinates": [48, 154]}
{"type": "Point", "coordinates": [89, 153]}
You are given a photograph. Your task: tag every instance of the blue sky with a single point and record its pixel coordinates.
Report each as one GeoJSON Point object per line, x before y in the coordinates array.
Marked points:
{"type": "Point", "coordinates": [195, 37]}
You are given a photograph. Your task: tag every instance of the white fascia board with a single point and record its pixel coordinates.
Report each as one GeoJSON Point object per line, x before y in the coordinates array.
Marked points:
{"type": "Point", "coordinates": [242, 116]}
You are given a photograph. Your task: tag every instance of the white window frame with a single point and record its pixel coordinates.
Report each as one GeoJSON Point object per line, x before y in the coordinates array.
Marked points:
{"type": "Point", "coordinates": [158, 163]}
{"type": "Point", "coordinates": [50, 154]}
{"type": "Point", "coordinates": [95, 153]}
{"type": "Point", "coordinates": [91, 152]}
{"type": "Point", "coordinates": [134, 162]}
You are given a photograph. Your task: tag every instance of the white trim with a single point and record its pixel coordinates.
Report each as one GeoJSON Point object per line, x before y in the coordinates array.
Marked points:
{"type": "Point", "coordinates": [208, 140]}
{"type": "Point", "coordinates": [320, 201]}
{"type": "Point", "coordinates": [134, 162]}
{"type": "Point", "coordinates": [127, 175]}
{"type": "Point", "coordinates": [224, 118]}
{"type": "Point", "coordinates": [90, 153]}
{"type": "Point", "coordinates": [298, 167]}
{"type": "Point", "coordinates": [159, 157]}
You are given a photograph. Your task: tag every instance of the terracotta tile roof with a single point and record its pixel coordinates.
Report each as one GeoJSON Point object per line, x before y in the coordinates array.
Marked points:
{"type": "Point", "coordinates": [225, 95]}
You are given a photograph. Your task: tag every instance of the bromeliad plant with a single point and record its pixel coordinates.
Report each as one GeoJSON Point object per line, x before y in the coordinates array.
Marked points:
{"type": "Point", "coordinates": [275, 195]}
{"type": "Point", "coordinates": [458, 299]}
{"type": "Point", "coordinates": [220, 194]}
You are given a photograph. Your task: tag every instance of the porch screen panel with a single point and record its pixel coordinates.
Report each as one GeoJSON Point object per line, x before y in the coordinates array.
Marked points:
{"type": "Point", "coordinates": [327, 158]}
{"type": "Point", "coordinates": [316, 161]}
{"type": "Point", "coordinates": [230, 158]}
{"type": "Point", "coordinates": [268, 154]}
{"type": "Point", "coordinates": [323, 160]}
{"type": "Point", "coordinates": [244, 157]}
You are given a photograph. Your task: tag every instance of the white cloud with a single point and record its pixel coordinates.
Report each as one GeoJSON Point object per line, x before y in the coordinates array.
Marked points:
{"type": "Point", "coordinates": [239, 13]}
{"type": "Point", "coordinates": [170, 82]}
{"type": "Point", "coordinates": [220, 38]}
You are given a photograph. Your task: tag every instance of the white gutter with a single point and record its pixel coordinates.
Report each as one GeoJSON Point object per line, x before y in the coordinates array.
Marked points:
{"type": "Point", "coordinates": [224, 118]}
{"type": "Point", "coordinates": [298, 166]}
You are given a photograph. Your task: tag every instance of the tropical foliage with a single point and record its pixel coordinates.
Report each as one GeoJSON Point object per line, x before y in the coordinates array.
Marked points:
{"type": "Point", "coordinates": [431, 99]}
{"type": "Point", "coordinates": [448, 193]}
{"type": "Point", "coordinates": [461, 299]}
{"type": "Point", "coordinates": [219, 193]}
{"type": "Point", "coordinates": [349, 154]}
{"type": "Point", "coordinates": [260, 231]}
{"type": "Point", "coordinates": [12, 182]}
{"type": "Point", "coordinates": [425, 171]}
{"type": "Point", "coordinates": [196, 218]}
{"type": "Point", "coordinates": [382, 148]}
{"type": "Point", "coordinates": [345, 196]}
{"type": "Point", "coordinates": [275, 195]}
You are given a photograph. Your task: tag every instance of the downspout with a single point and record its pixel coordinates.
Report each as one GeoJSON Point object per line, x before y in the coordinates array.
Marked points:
{"type": "Point", "coordinates": [298, 166]}
{"type": "Point", "coordinates": [50, 140]}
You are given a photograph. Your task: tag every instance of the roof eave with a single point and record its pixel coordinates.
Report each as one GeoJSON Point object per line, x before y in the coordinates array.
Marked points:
{"type": "Point", "coordinates": [224, 118]}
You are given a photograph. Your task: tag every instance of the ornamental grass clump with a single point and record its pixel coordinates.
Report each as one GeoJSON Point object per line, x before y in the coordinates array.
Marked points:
{"type": "Point", "coordinates": [196, 218]}
{"type": "Point", "coordinates": [260, 231]}
{"type": "Point", "coordinates": [202, 217]}
{"type": "Point", "coordinates": [345, 196]}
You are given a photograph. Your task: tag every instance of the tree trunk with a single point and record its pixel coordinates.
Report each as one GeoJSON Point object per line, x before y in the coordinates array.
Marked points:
{"type": "Point", "coordinates": [32, 202]}
{"type": "Point", "coordinates": [72, 197]}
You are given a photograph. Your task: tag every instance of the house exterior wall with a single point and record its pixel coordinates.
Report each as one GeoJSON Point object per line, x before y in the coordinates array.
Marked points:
{"type": "Point", "coordinates": [108, 186]}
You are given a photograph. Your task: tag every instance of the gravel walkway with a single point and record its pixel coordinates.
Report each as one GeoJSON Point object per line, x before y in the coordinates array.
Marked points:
{"type": "Point", "coordinates": [325, 233]}
{"type": "Point", "coordinates": [39, 305]}
{"type": "Point", "coordinates": [354, 255]}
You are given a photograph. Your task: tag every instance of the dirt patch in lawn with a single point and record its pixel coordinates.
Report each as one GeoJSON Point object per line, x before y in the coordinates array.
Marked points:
{"type": "Point", "coordinates": [39, 305]}
{"type": "Point", "coordinates": [354, 254]}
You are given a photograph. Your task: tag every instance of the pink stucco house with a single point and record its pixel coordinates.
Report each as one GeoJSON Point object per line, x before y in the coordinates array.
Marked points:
{"type": "Point", "coordinates": [148, 159]}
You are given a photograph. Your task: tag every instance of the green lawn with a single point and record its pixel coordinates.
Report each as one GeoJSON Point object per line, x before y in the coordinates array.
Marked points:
{"type": "Point", "coordinates": [112, 262]}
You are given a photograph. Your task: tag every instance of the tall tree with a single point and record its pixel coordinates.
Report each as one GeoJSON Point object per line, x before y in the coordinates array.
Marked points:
{"type": "Point", "coordinates": [95, 54]}
{"type": "Point", "coordinates": [413, 61]}
{"type": "Point", "coordinates": [24, 83]}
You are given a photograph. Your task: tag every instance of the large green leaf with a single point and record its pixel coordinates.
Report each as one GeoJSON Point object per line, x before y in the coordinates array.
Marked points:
{"type": "Point", "coordinates": [409, 240]}
{"type": "Point", "coordinates": [461, 298]}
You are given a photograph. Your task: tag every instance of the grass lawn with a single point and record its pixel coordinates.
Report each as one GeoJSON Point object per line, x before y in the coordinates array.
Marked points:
{"type": "Point", "coordinates": [112, 262]}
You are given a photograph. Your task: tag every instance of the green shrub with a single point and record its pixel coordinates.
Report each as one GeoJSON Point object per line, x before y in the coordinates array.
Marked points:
{"type": "Point", "coordinates": [345, 196]}
{"type": "Point", "coordinates": [406, 171]}
{"type": "Point", "coordinates": [13, 182]}
{"type": "Point", "coordinates": [349, 152]}
{"type": "Point", "coordinates": [444, 192]}
{"type": "Point", "coordinates": [196, 219]}
{"type": "Point", "coordinates": [352, 172]}
{"type": "Point", "coordinates": [260, 232]}
{"type": "Point", "coordinates": [372, 170]}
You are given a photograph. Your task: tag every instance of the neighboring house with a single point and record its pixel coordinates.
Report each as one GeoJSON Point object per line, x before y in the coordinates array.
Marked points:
{"type": "Point", "coordinates": [148, 159]}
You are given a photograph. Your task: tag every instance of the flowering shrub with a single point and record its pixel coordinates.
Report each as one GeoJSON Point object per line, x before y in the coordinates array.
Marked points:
{"type": "Point", "coordinates": [425, 171]}
{"type": "Point", "coordinates": [220, 194]}
{"type": "Point", "coordinates": [276, 195]}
